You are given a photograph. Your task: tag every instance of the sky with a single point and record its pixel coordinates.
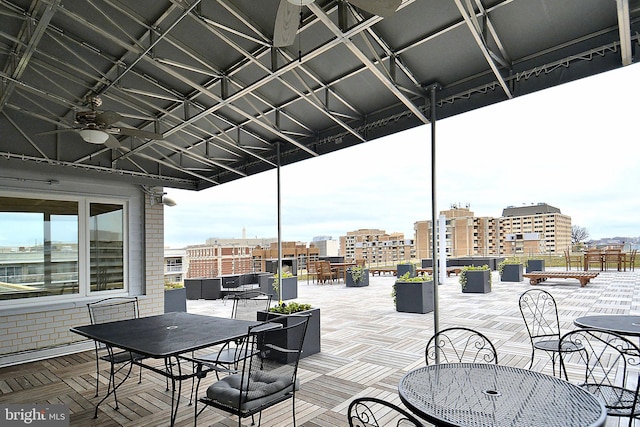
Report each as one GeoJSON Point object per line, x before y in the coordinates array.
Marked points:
{"type": "Point", "coordinates": [575, 146]}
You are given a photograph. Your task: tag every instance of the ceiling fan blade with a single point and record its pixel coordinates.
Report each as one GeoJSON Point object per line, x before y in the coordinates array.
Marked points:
{"type": "Point", "coordinates": [383, 8]}
{"type": "Point", "coordinates": [286, 26]}
{"type": "Point", "coordinates": [51, 132]}
{"type": "Point", "coordinates": [112, 142]}
{"type": "Point", "coordinates": [135, 132]}
{"type": "Point", "coordinates": [108, 118]}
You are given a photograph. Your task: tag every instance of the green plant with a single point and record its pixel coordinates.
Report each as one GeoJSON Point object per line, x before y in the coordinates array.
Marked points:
{"type": "Point", "coordinates": [276, 280]}
{"type": "Point", "coordinates": [463, 274]}
{"type": "Point", "coordinates": [357, 273]}
{"type": "Point", "coordinates": [292, 307]}
{"type": "Point", "coordinates": [406, 277]}
{"type": "Point", "coordinates": [172, 285]}
{"type": "Point", "coordinates": [507, 261]}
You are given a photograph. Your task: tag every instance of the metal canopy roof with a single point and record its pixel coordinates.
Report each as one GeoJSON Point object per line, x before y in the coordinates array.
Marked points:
{"type": "Point", "coordinates": [205, 75]}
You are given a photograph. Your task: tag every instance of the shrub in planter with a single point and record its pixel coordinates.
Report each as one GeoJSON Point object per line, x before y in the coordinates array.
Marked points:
{"type": "Point", "coordinates": [404, 268]}
{"type": "Point", "coordinates": [311, 343]}
{"type": "Point", "coordinates": [357, 276]}
{"type": "Point", "coordinates": [413, 294]}
{"type": "Point", "coordinates": [475, 279]}
{"type": "Point", "coordinates": [289, 284]}
{"type": "Point", "coordinates": [510, 270]}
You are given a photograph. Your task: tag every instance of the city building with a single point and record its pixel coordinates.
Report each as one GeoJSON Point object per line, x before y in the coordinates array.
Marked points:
{"type": "Point", "coordinates": [326, 245]}
{"type": "Point", "coordinates": [176, 265]}
{"type": "Point", "coordinates": [552, 227]}
{"type": "Point", "coordinates": [376, 247]}
{"type": "Point", "coordinates": [527, 230]}
{"type": "Point", "coordinates": [222, 256]}
{"type": "Point", "coordinates": [295, 256]}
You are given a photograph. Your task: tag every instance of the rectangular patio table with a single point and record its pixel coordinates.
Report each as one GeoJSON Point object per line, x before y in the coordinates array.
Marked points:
{"type": "Point", "coordinates": [168, 337]}
{"type": "Point", "coordinates": [490, 395]}
{"type": "Point", "coordinates": [341, 268]}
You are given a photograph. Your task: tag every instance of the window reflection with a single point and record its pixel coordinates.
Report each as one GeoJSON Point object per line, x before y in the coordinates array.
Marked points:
{"type": "Point", "coordinates": [106, 246]}
{"type": "Point", "coordinates": [38, 247]}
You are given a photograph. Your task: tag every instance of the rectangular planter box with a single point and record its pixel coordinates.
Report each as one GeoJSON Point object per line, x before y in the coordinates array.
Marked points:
{"type": "Point", "coordinates": [478, 282]}
{"type": "Point", "coordinates": [175, 300]}
{"type": "Point", "coordinates": [535, 265]}
{"type": "Point", "coordinates": [402, 269]}
{"type": "Point", "coordinates": [211, 288]}
{"type": "Point", "coordinates": [414, 297]}
{"type": "Point", "coordinates": [363, 282]}
{"type": "Point", "coordinates": [194, 288]}
{"type": "Point", "coordinates": [512, 273]}
{"type": "Point", "coordinates": [311, 343]}
{"type": "Point", "coordinates": [289, 287]}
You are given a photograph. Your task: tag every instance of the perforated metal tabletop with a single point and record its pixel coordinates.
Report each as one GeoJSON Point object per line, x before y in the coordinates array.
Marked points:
{"type": "Point", "coordinates": [476, 394]}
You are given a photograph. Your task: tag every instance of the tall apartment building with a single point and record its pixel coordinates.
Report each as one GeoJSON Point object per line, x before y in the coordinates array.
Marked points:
{"type": "Point", "coordinates": [534, 229]}
{"type": "Point", "coordinates": [552, 227]}
{"type": "Point", "coordinates": [465, 234]}
{"type": "Point", "coordinates": [376, 246]}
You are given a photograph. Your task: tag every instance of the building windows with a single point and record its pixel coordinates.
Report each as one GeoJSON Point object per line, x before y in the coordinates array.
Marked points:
{"type": "Point", "coordinates": [45, 243]}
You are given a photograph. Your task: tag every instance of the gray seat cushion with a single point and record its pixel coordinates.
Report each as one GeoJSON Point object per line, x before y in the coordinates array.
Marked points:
{"type": "Point", "coordinates": [263, 387]}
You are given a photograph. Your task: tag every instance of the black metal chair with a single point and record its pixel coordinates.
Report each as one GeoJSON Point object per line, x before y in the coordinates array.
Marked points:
{"type": "Point", "coordinates": [459, 344]}
{"type": "Point", "coordinates": [374, 412]}
{"type": "Point", "coordinates": [540, 315]}
{"type": "Point", "coordinates": [608, 364]}
{"type": "Point", "coordinates": [267, 376]}
{"type": "Point", "coordinates": [110, 310]}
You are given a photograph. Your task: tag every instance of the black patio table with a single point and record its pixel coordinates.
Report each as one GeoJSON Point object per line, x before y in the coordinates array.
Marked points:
{"type": "Point", "coordinates": [622, 324]}
{"type": "Point", "coordinates": [483, 394]}
{"type": "Point", "coordinates": [167, 336]}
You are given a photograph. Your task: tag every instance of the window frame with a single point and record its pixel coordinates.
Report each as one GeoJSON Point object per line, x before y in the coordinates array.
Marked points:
{"type": "Point", "coordinates": [84, 256]}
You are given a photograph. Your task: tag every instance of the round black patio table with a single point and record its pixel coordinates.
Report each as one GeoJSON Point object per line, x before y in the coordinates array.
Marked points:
{"type": "Point", "coordinates": [482, 394]}
{"type": "Point", "coordinates": [621, 324]}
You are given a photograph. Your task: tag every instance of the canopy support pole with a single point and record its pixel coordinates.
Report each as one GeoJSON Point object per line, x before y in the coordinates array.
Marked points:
{"type": "Point", "coordinates": [434, 229]}
{"type": "Point", "coordinates": [279, 225]}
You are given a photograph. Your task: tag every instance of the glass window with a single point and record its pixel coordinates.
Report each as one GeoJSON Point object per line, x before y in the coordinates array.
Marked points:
{"type": "Point", "coordinates": [106, 246]}
{"type": "Point", "coordinates": [44, 241]}
{"type": "Point", "coordinates": [38, 247]}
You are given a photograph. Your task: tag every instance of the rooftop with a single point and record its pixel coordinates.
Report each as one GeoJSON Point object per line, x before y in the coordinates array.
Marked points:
{"type": "Point", "coordinates": [366, 348]}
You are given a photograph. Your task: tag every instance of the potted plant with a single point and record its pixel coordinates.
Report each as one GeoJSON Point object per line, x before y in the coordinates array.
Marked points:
{"type": "Point", "coordinates": [404, 268]}
{"type": "Point", "coordinates": [413, 294]}
{"type": "Point", "coordinates": [475, 279]}
{"type": "Point", "coordinates": [284, 288]}
{"type": "Point", "coordinates": [535, 265]}
{"type": "Point", "coordinates": [175, 297]}
{"type": "Point", "coordinates": [510, 270]}
{"type": "Point", "coordinates": [311, 343]}
{"type": "Point", "coordinates": [357, 276]}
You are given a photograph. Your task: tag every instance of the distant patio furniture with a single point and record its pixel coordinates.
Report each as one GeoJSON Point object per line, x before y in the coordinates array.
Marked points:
{"type": "Point", "coordinates": [583, 277]}
{"type": "Point", "coordinates": [571, 260]}
{"type": "Point", "coordinates": [613, 257]}
{"type": "Point", "coordinates": [312, 270]}
{"type": "Point", "coordinates": [325, 273]}
{"type": "Point", "coordinates": [630, 260]}
{"type": "Point", "coordinates": [459, 344]}
{"type": "Point", "coordinates": [593, 256]}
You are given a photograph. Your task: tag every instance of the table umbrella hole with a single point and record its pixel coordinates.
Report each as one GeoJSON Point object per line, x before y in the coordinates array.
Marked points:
{"type": "Point", "coordinates": [492, 393]}
{"type": "Point", "coordinates": [172, 327]}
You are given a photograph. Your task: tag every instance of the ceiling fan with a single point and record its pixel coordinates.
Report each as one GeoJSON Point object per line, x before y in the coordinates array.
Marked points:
{"type": "Point", "coordinates": [288, 12]}
{"type": "Point", "coordinates": [96, 126]}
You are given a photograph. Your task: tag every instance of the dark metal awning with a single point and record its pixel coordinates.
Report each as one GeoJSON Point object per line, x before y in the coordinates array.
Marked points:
{"type": "Point", "coordinates": [194, 94]}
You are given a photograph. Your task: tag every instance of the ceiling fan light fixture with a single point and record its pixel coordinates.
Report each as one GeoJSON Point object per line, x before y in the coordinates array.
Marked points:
{"type": "Point", "coordinates": [94, 136]}
{"type": "Point", "coordinates": [301, 2]}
